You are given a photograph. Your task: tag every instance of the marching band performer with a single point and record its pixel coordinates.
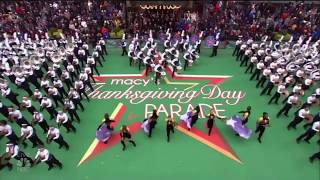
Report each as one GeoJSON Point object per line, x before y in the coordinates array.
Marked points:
{"type": "Point", "coordinates": [55, 135]}
{"type": "Point", "coordinates": [6, 130]}
{"type": "Point", "coordinates": [124, 45]}
{"type": "Point", "coordinates": [63, 119]}
{"type": "Point", "coordinates": [57, 83]}
{"type": "Point", "coordinates": [4, 110]}
{"type": "Point", "coordinates": [85, 79]}
{"type": "Point", "coordinates": [16, 115]}
{"type": "Point", "coordinates": [43, 155]}
{"type": "Point", "coordinates": [14, 151]}
{"type": "Point", "coordinates": [80, 88]}
{"type": "Point", "coordinates": [292, 100]}
{"type": "Point", "coordinates": [54, 94]}
{"type": "Point", "coordinates": [37, 118]}
{"type": "Point", "coordinates": [311, 132]}
{"type": "Point", "coordinates": [47, 104]}
{"type": "Point", "coordinates": [91, 62]}
{"type": "Point", "coordinates": [70, 108]}
{"type": "Point", "coordinates": [27, 132]}
{"type": "Point", "coordinates": [27, 104]}
{"type": "Point", "coordinates": [299, 117]}
{"type": "Point", "coordinates": [126, 136]}
{"type": "Point", "coordinates": [7, 93]}
{"type": "Point", "coordinates": [281, 90]}
{"type": "Point", "coordinates": [75, 97]}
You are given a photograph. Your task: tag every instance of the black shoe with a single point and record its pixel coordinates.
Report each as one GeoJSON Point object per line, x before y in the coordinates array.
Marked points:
{"type": "Point", "coordinates": [298, 141]}
{"type": "Point", "coordinates": [105, 142]}
{"type": "Point", "coordinates": [286, 115]}
{"type": "Point", "coordinates": [311, 160]}
{"type": "Point", "coordinates": [49, 168]}
{"type": "Point", "coordinates": [10, 167]}
{"type": "Point", "coordinates": [123, 149]}
{"type": "Point", "coordinates": [288, 127]}
{"type": "Point", "coordinates": [34, 145]}
{"type": "Point", "coordinates": [259, 141]}
{"type": "Point", "coordinates": [60, 147]}
{"type": "Point", "coordinates": [307, 141]}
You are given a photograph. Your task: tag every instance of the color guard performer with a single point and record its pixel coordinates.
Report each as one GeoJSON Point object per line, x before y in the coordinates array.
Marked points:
{"type": "Point", "coordinates": [126, 136]}
{"type": "Point", "coordinates": [262, 123]}
{"type": "Point", "coordinates": [170, 121]}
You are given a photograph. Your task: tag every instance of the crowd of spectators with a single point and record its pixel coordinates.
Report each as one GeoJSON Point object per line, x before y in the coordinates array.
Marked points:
{"type": "Point", "coordinates": [93, 18]}
{"type": "Point", "coordinates": [107, 18]}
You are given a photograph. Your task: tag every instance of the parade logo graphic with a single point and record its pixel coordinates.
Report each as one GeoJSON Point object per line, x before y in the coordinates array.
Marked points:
{"type": "Point", "coordinates": [211, 90]}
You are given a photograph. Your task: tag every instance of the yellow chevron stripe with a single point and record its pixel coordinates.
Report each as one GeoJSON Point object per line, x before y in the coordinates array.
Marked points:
{"type": "Point", "coordinates": [95, 141]}
{"type": "Point", "coordinates": [210, 144]}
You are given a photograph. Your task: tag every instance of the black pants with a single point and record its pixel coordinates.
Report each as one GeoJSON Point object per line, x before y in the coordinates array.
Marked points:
{"type": "Point", "coordinates": [214, 51]}
{"type": "Point", "coordinates": [62, 92]}
{"type": "Point", "coordinates": [124, 51]}
{"type": "Point", "coordinates": [61, 142]}
{"type": "Point", "coordinates": [185, 65]}
{"type": "Point", "coordinates": [250, 67]}
{"type": "Point", "coordinates": [73, 113]}
{"type": "Point", "coordinates": [267, 89]}
{"type": "Point", "coordinates": [88, 83]}
{"type": "Point", "coordinates": [236, 50]}
{"type": "Point", "coordinates": [57, 98]}
{"type": "Point", "coordinates": [77, 102]}
{"type": "Point", "coordinates": [82, 91]}
{"type": "Point", "coordinates": [307, 135]}
{"type": "Point", "coordinates": [68, 125]}
{"type": "Point", "coordinates": [275, 97]}
{"type": "Point", "coordinates": [152, 126]}
{"type": "Point", "coordinates": [34, 139]}
{"type": "Point", "coordinates": [31, 109]}
{"type": "Point", "coordinates": [94, 67]}
{"type": "Point", "coordinates": [256, 74]}
{"type": "Point", "coordinates": [53, 161]}
{"type": "Point", "coordinates": [124, 144]}
{"type": "Point", "coordinates": [21, 156]}
{"type": "Point", "coordinates": [315, 156]}
{"type": "Point", "coordinates": [13, 138]}
{"type": "Point", "coordinates": [286, 99]}
{"type": "Point", "coordinates": [244, 61]}
{"type": "Point", "coordinates": [130, 61]}
{"type": "Point", "coordinates": [34, 81]}
{"type": "Point", "coordinates": [140, 63]}
{"type": "Point", "coordinates": [261, 81]}
{"type": "Point", "coordinates": [261, 130]}
{"type": "Point", "coordinates": [13, 98]}
{"type": "Point", "coordinates": [68, 83]}
{"type": "Point", "coordinates": [240, 55]}
{"type": "Point", "coordinates": [21, 121]}
{"type": "Point", "coordinates": [286, 108]}
{"type": "Point", "coordinates": [169, 129]}
{"type": "Point", "coordinates": [44, 126]}
{"type": "Point", "coordinates": [53, 113]}
{"type": "Point", "coordinates": [210, 129]}
{"type": "Point", "coordinates": [26, 87]}
{"type": "Point", "coordinates": [295, 122]}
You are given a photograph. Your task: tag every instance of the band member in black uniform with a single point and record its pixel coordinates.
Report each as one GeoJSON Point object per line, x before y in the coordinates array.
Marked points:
{"type": "Point", "coordinates": [55, 135]}
{"type": "Point", "coordinates": [57, 83]}
{"type": "Point", "coordinates": [126, 136]}
{"type": "Point", "coordinates": [311, 132]}
{"type": "Point", "coordinates": [63, 119]}
{"type": "Point", "coordinates": [170, 126]}
{"type": "Point", "coordinates": [47, 104]}
{"type": "Point", "coordinates": [22, 83]}
{"type": "Point", "coordinates": [27, 132]}
{"type": "Point", "coordinates": [65, 77]}
{"type": "Point", "coordinates": [75, 97]}
{"type": "Point", "coordinates": [262, 123]}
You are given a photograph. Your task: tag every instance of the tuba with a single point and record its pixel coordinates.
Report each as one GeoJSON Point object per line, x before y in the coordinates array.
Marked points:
{"type": "Point", "coordinates": [40, 52]}
{"type": "Point", "coordinates": [56, 59]}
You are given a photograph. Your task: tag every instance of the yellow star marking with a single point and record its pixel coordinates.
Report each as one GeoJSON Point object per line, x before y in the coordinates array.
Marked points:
{"type": "Point", "coordinates": [181, 83]}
